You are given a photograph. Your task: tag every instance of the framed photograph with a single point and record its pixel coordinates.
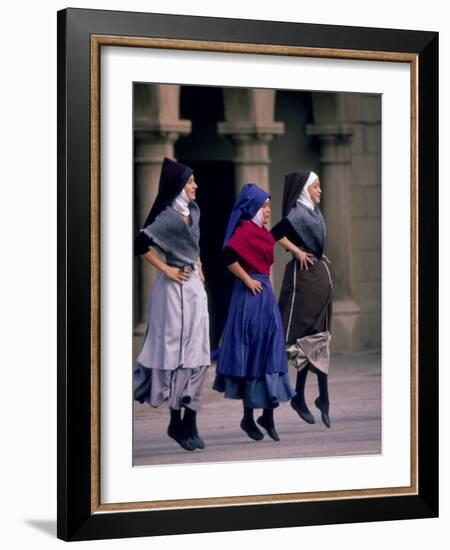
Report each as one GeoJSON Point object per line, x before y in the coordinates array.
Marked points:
{"type": "Point", "coordinates": [242, 203]}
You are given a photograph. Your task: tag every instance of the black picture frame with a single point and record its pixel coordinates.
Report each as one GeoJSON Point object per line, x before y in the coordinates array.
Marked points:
{"type": "Point", "coordinates": [79, 518]}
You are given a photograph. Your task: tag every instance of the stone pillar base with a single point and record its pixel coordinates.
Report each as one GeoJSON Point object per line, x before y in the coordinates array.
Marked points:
{"type": "Point", "coordinates": [344, 320]}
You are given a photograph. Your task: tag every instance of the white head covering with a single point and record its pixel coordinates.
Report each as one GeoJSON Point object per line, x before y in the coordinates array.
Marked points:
{"type": "Point", "coordinates": [258, 218]}
{"type": "Point", "coordinates": [304, 197]}
{"type": "Point", "coordinates": [181, 203]}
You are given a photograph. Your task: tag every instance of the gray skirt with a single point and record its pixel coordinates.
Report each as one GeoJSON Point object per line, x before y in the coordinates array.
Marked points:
{"type": "Point", "coordinates": [175, 353]}
{"type": "Point", "coordinates": [175, 388]}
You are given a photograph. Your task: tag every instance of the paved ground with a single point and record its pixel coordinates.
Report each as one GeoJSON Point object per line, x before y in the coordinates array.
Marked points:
{"type": "Point", "coordinates": [355, 413]}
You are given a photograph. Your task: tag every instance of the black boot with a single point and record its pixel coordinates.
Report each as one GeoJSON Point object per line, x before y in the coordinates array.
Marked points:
{"type": "Point", "coordinates": [176, 431]}
{"type": "Point", "coordinates": [190, 425]}
{"type": "Point", "coordinates": [266, 421]}
{"type": "Point", "coordinates": [298, 402]}
{"type": "Point", "coordinates": [249, 426]}
{"type": "Point", "coordinates": [322, 402]}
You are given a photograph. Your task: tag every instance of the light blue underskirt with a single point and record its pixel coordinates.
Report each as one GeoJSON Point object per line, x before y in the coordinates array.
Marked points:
{"type": "Point", "coordinates": [258, 393]}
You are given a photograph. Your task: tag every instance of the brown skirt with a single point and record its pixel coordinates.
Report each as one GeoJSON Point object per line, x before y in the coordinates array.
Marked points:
{"type": "Point", "coordinates": [305, 300]}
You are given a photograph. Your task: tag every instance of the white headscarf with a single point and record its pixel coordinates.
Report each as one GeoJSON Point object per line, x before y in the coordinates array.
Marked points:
{"type": "Point", "coordinates": [304, 197]}
{"type": "Point", "coordinates": [258, 218]}
{"type": "Point", "coordinates": [181, 203]}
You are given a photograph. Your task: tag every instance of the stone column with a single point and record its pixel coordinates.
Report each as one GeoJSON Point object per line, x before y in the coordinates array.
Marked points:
{"type": "Point", "coordinates": [250, 124]}
{"type": "Point", "coordinates": [335, 175]}
{"type": "Point", "coordinates": [156, 128]}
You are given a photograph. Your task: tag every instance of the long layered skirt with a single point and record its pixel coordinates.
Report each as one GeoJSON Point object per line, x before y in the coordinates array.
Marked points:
{"type": "Point", "coordinates": [252, 362]}
{"type": "Point", "coordinates": [306, 307]}
{"type": "Point", "coordinates": [175, 354]}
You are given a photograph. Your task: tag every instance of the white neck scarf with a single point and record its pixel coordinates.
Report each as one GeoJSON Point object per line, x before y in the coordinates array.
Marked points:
{"type": "Point", "coordinates": [181, 203]}
{"type": "Point", "coordinates": [258, 218]}
{"type": "Point", "coordinates": [304, 197]}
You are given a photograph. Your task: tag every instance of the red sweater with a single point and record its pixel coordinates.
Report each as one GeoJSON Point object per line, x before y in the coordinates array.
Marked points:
{"type": "Point", "coordinates": [254, 245]}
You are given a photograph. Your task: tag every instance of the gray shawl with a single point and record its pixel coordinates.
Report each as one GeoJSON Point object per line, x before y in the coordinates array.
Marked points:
{"type": "Point", "coordinates": [310, 226]}
{"type": "Point", "coordinates": [178, 240]}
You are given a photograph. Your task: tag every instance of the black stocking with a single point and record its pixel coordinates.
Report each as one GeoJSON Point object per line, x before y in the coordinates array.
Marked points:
{"type": "Point", "coordinates": [190, 420]}
{"type": "Point", "coordinates": [267, 417]}
{"type": "Point", "coordinates": [300, 388]}
{"type": "Point", "coordinates": [323, 387]}
{"type": "Point", "coordinates": [175, 418]}
{"type": "Point", "coordinates": [248, 415]}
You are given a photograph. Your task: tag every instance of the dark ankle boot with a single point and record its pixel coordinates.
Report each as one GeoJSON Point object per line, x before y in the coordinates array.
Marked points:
{"type": "Point", "coordinates": [322, 402]}
{"type": "Point", "coordinates": [302, 410]}
{"type": "Point", "coordinates": [267, 422]}
{"type": "Point", "coordinates": [176, 431]}
{"type": "Point", "coordinates": [190, 425]}
{"type": "Point", "coordinates": [298, 402]}
{"type": "Point", "coordinates": [324, 409]}
{"type": "Point", "coordinates": [249, 426]}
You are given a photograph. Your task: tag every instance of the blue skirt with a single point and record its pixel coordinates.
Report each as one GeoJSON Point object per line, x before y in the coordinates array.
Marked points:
{"type": "Point", "coordinates": [252, 363]}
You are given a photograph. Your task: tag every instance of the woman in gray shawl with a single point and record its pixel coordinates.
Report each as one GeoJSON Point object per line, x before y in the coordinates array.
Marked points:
{"type": "Point", "coordinates": [175, 354]}
{"type": "Point", "coordinates": [306, 293]}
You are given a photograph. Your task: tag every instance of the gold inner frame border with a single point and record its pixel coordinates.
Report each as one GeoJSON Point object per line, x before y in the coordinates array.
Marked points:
{"type": "Point", "coordinates": [97, 41]}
